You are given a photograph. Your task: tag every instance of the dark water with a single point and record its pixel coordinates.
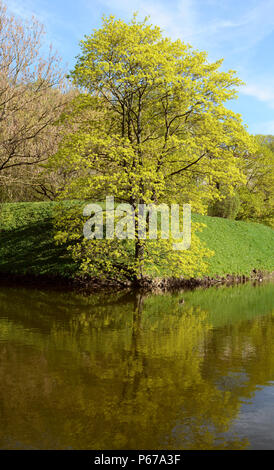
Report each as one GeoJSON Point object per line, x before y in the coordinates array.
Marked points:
{"type": "Point", "coordinates": [192, 370]}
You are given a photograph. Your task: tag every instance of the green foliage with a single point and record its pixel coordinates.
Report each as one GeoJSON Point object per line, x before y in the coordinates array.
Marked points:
{"type": "Point", "coordinates": [158, 129]}
{"type": "Point", "coordinates": [114, 258]}
{"type": "Point", "coordinates": [228, 206]}
{"type": "Point", "coordinates": [257, 195]}
{"type": "Point", "coordinates": [27, 244]}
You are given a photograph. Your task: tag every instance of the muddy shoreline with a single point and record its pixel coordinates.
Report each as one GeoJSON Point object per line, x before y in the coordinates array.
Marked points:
{"type": "Point", "coordinates": [91, 285]}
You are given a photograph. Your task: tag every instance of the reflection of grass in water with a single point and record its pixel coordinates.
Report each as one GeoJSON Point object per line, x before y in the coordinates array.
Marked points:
{"type": "Point", "coordinates": [129, 372]}
{"type": "Point", "coordinates": [233, 304]}
{"type": "Point", "coordinates": [137, 378]}
{"type": "Point", "coordinates": [39, 309]}
{"type": "Point", "coordinates": [79, 317]}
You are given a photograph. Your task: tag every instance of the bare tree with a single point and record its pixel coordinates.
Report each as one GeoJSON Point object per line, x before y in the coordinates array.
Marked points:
{"type": "Point", "coordinates": [32, 98]}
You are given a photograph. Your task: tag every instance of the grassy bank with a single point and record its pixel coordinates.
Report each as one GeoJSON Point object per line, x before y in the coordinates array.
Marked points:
{"type": "Point", "coordinates": [27, 245]}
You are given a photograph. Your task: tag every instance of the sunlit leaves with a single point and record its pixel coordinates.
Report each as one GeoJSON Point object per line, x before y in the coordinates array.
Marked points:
{"type": "Point", "coordinates": [160, 131]}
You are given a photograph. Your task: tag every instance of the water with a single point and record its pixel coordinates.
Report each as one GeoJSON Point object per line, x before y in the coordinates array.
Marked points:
{"type": "Point", "coordinates": [192, 370]}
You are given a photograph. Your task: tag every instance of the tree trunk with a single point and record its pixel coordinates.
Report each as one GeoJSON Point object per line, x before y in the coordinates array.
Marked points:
{"type": "Point", "coordinates": [139, 258]}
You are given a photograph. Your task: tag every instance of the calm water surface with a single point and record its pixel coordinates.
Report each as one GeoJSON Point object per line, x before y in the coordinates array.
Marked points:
{"type": "Point", "coordinates": [192, 370]}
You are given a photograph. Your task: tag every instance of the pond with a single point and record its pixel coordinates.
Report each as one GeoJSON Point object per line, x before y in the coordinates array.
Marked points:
{"type": "Point", "coordinates": [188, 370]}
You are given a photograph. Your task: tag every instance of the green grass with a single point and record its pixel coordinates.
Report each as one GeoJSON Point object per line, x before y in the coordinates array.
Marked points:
{"type": "Point", "coordinates": [27, 245]}
{"type": "Point", "coordinates": [26, 241]}
{"type": "Point", "coordinates": [239, 247]}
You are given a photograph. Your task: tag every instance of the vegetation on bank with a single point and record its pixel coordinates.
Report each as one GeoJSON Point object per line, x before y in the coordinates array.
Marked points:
{"type": "Point", "coordinates": [27, 244]}
{"type": "Point", "coordinates": [141, 118]}
{"type": "Point", "coordinates": [27, 241]}
{"type": "Point", "coordinates": [150, 126]}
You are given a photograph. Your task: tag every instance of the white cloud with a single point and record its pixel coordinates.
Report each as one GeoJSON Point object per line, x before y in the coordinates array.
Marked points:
{"type": "Point", "coordinates": [27, 9]}
{"type": "Point", "coordinates": [221, 27]}
{"type": "Point", "coordinates": [177, 19]}
{"type": "Point", "coordinates": [261, 91]}
{"type": "Point", "coordinates": [232, 29]}
{"type": "Point", "coordinates": [204, 22]}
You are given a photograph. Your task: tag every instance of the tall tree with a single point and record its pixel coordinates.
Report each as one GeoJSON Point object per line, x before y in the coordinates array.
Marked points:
{"type": "Point", "coordinates": [161, 132]}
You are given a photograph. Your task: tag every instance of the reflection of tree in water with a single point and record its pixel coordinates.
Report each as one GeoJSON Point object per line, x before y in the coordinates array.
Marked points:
{"type": "Point", "coordinates": [125, 371]}
{"type": "Point", "coordinates": [172, 401]}
{"type": "Point", "coordinates": [135, 362]}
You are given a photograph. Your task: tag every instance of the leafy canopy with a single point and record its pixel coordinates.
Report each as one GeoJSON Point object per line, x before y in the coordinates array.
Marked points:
{"type": "Point", "coordinates": [257, 195]}
{"type": "Point", "coordinates": [159, 130]}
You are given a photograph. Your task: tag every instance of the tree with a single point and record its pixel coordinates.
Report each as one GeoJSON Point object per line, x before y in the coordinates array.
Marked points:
{"type": "Point", "coordinates": [160, 130]}
{"type": "Point", "coordinates": [31, 100]}
{"type": "Point", "coordinates": [257, 195]}
{"type": "Point", "coordinates": [228, 206]}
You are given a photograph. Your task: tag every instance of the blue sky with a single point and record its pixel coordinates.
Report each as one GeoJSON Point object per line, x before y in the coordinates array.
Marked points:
{"type": "Point", "coordinates": [240, 31]}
